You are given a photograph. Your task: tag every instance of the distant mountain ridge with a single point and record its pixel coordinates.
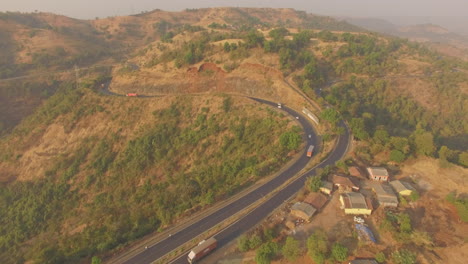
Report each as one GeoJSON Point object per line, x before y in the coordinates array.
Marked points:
{"type": "Point", "coordinates": [436, 36]}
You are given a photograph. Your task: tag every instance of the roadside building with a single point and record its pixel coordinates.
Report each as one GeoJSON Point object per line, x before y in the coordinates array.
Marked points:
{"type": "Point", "coordinates": [402, 188]}
{"type": "Point", "coordinates": [378, 173]}
{"type": "Point", "coordinates": [355, 172]}
{"type": "Point", "coordinates": [303, 210]}
{"type": "Point", "coordinates": [385, 195]}
{"type": "Point", "coordinates": [363, 261]}
{"type": "Point", "coordinates": [317, 200]}
{"type": "Point", "coordinates": [355, 203]}
{"type": "Point", "coordinates": [344, 183]}
{"type": "Point", "coordinates": [327, 187]}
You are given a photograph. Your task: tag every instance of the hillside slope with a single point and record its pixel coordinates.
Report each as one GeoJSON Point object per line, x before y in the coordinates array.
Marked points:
{"type": "Point", "coordinates": [91, 172]}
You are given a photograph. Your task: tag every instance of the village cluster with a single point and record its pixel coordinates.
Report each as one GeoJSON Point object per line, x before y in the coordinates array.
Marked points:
{"type": "Point", "coordinates": [359, 195]}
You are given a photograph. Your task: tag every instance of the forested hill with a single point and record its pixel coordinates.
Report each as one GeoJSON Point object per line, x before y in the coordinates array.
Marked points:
{"type": "Point", "coordinates": [380, 82]}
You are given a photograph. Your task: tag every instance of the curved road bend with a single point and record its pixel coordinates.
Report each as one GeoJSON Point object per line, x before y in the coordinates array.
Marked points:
{"type": "Point", "coordinates": [190, 232]}
{"type": "Point", "coordinates": [260, 212]}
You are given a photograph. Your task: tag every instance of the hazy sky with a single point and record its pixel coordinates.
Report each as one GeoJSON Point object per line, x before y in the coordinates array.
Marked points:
{"type": "Point", "coordinates": [369, 8]}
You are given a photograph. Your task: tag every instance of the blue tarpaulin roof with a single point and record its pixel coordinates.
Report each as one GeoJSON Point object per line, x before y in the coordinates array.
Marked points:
{"type": "Point", "coordinates": [366, 232]}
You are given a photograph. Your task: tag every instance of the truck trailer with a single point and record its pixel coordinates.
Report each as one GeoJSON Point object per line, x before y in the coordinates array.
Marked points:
{"type": "Point", "coordinates": [310, 151]}
{"type": "Point", "coordinates": [132, 94]}
{"type": "Point", "coordinates": [203, 249]}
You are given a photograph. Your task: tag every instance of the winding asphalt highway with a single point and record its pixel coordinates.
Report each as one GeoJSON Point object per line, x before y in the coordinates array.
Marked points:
{"type": "Point", "coordinates": [197, 228]}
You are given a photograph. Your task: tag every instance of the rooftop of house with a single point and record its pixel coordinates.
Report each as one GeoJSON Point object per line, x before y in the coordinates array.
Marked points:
{"type": "Point", "coordinates": [378, 171]}
{"type": "Point", "coordinates": [356, 200]}
{"type": "Point", "coordinates": [317, 200]}
{"type": "Point", "coordinates": [400, 186]}
{"type": "Point", "coordinates": [383, 190]}
{"type": "Point", "coordinates": [345, 181]}
{"type": "Point", "coordinates": [307, 209]}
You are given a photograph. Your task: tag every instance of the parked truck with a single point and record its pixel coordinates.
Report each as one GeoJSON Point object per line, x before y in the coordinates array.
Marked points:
{"type": "Point", "coordinates": [132, 94]}
{"type": "Point", "coordinates": [310, 151]}
{"type": "Point", "coordinates": [203, 249]}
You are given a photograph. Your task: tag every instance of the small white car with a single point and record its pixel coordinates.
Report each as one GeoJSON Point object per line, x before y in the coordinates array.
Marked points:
{"type": "Point", "coordinates": [359, 220]}
{"type": "Point", "coordinates": [279, 105]}
{"type": "Point", "coordinates": [297, 117]}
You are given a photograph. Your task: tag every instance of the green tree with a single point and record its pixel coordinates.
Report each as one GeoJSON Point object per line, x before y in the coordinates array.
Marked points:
{"type": "Point", "coordinates": [290, 140]}
{"type": "Point", "coordinates": [381, 137]}
{"type": "Point", "coordinates": [266, 252]}
{"type": "Point", "coordinates": [314, 183]}
{"type": "Point", "coordinates": [301, 39]}
{"type": "Point", "coordinates": [291, 250]}
{"type": "Point", "coordinates": [359, 129]}
{"type": "Point", "coordinates": [243, 243]}
{"type": "Point", "coordinates": [401, 144]}
{"type": "Point", "coordinates": [269, 46]}
{"type": "Point", "coordinates": [317, 246]}
{"type": "Point", "coordinates": [424, 143]}
{"type": "Point", "coordinates": [397, 156]}
{"type": "Point", "coordinates": [445, 156]}
{"type": "Point", "coordinates": [255, 241]}
{"type": "Point", "coordinates": [380, 257]}
{"type": "Point", "coordinates": [269, 234]}
{"type": "Point", "coordinates": [227, 103]}
{"type": "Point", "coordinates": [405, 223]}
{"type": "Point", "coordinates": [96, 260]}
{"type": "Point", "coordinates": [339, 252]}
{"type": "Point", "coordinates": [227, 47]}
{"type": "Point", "coordinates": [254, 39]}
{"type": "Point", "coordinates": [403, 256]}
{"type": "Point", "coordinates": [331, 115]}
{"type": "Point", "coordinates": [278, 33]}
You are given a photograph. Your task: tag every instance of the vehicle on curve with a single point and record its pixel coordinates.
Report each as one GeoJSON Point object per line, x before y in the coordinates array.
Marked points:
{"type": "Point", "coordinates": [279, 105]}
{"type": "Point", "coordinates": [310, 151]}
{"type": "Point", "coordinates": [203, 249]}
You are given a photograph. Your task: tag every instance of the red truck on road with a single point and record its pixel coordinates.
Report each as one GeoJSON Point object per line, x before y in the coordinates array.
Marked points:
{"type": "Point", "coordinates": [310, 151]}
{"type": "Point", "coordinates": [203, 249]}
{"type": "Point", "coordinates": [132, 94]}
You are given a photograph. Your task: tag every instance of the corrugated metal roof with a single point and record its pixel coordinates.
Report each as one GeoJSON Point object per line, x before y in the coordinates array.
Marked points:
{"type": "Point", "coordinates": [356, 200]}
{"type": "Point", "coordinates": [307, 209]}
{"type": "Point", "coordinates": [385, 194]}
{"type": "Point", "coordinates": [401, 186]}
{"type": "Point", "coordinates": [383, 190]}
